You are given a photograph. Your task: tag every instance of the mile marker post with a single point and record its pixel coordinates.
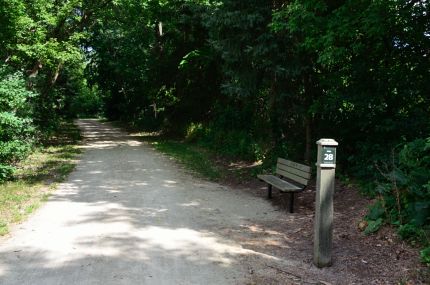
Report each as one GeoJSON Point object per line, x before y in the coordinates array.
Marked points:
{"type": "Point", "coordinates": [323, 227]}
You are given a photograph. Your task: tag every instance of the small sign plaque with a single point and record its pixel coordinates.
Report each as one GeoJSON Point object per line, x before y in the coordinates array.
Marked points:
{"type": "Point", "coordinates": [328, 155]}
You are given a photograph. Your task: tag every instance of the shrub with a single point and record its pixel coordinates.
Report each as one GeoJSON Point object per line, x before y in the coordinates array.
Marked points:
{"type": "Point", "coordinates": [16, 128]}
{"type": "Point", "coordinates": [232, 143]}
{"type": "Point", "coordinates": [425, 255]}
{"type": "Point", "coordinates": [404, 192]}
{"type": "Point", "coordinates": [5, 171]}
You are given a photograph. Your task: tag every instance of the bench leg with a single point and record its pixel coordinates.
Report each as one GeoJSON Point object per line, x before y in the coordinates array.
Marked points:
{"type": "Point", "coordinates": [291, 202]}
{"type": "Point", "coordinates": [269, 191]}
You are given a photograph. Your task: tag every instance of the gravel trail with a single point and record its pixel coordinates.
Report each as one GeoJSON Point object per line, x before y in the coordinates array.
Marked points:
{"type": "Point", "coordinates": [129, 215]}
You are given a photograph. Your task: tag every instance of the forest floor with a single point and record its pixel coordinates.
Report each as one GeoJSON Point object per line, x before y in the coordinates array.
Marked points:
{"type": "Point", "coordinates": [379, 258]}
{"type": "Point", "coordinates": [130, 215]}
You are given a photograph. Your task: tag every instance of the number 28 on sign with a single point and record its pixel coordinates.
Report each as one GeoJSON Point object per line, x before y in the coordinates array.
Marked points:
{"type": "Point", "coordinates": [328, 155]}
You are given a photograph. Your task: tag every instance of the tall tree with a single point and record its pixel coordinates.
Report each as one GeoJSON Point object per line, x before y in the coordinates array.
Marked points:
{"type": "Point", "coordinates": [44, 37]}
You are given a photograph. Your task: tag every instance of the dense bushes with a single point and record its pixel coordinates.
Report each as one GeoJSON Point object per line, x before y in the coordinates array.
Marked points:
{"type": "Point", "coordinates": [16, 128]}
{"type": "Point", "coordinates": [404, 193]}
{"type": "Point", "coordinates": [86, 103]}
{"type": "Point", "coordinates": [231, 143]}
{"type": "Point", "coordinates": [404, 185]}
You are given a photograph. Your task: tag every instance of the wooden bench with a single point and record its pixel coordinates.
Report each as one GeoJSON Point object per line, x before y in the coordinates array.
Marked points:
{"type": "Point", "coordinates": [298, 174]}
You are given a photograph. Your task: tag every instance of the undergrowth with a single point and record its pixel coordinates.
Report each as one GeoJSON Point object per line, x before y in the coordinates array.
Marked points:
{"type": "Point", "coordinates": [193, 158]}
{"type": "Point", "coordinates": [201, 159]}
{"type": "Point", "coordinates": [403, 195]}
{"type": "Point", "coordinates": [36, 176]}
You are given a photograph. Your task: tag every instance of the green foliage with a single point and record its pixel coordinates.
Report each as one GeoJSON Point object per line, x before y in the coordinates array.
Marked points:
{"type": "Point", "coordinates": [413, 233]}
{"type": "Point", "coordinates": [405, 193]}
{"type": "Point", "coordinates": [230, 134]}
{"type": "Point", "coordinates": [235, 144]}
{"type": "Point", "coordinates": [412, 177]}
{"type": "Point", "coordinates": [46, 39]}
{"type": "Point", "coordinates": [193, 158]}
{"type": "Point", "coordinates": [27, 190]}
{"type": "Point", "coordinates": [86, 103]}
{"type": "Point", "coordinates": [13, 151]}
{"type": "Point", "coordinates": [6, 171]}
{"type": "Point", "coordinates": [425, 255]}
{"type": "Point", "coordinates": [376, 211]}
{"type": "Point", "coordinates": [407, 231]}
{"type": "Point", "coordinates": [153, 63]}
{"type": "Point", "coordinates": [373, 226]}
{"type": "Point", "coordinates": [16, 129]}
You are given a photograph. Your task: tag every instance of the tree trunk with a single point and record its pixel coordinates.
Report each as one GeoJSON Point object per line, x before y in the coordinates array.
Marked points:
{"type": "Point", "coordinates": [309, 95]}
{"type": "Point", "coordinates": [308, 142]}
{"type": "Point", "coordinates": [56, 74]}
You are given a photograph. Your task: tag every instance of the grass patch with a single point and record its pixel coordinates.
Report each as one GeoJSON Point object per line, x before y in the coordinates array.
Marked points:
{"type": "Point", "coordinates": [195, 159]}
{"type": "Point", "coordinates": [203, 161]}
{"type": "Point", "coordinates": [3, 228]}
{"type": "Point", "coordinates": [37, 176]}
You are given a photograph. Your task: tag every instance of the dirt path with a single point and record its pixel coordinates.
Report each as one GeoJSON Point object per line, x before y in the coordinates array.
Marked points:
{"type": "Point", "coordinates": [129, 215]}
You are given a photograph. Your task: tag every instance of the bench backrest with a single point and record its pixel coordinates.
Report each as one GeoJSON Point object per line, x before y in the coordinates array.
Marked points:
{"type": "Point", "coordinates": [299, 173]}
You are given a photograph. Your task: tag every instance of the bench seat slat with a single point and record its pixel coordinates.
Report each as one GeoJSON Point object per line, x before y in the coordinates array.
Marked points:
{"type": "Point", "coordinates": [277, 182]}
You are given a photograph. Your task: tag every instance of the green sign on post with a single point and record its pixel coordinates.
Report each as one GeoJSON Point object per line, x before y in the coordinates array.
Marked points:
{"type": "Point", "coordinates": [328, 155]}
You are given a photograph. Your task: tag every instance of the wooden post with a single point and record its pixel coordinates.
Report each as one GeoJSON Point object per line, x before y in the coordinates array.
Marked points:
{"type": "Point", "coordinates": [323, 228]}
